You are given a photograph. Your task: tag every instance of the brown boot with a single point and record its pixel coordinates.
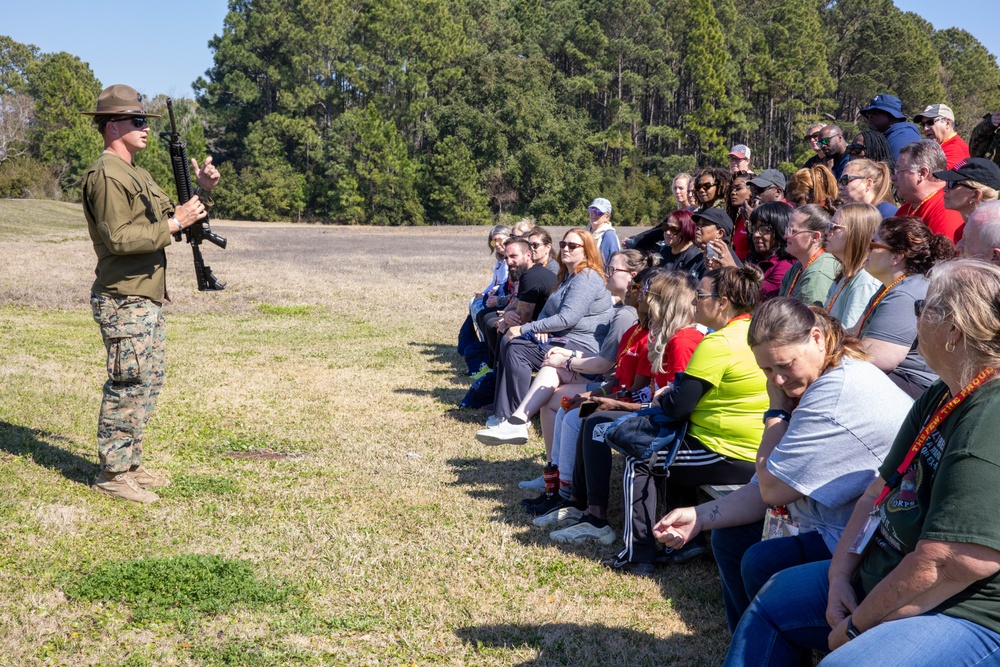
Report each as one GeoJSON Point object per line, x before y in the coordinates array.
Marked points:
{"type": "Point", "coordinates": [121, 485]}
{"type": "Point", "coordinates": [146, 479]}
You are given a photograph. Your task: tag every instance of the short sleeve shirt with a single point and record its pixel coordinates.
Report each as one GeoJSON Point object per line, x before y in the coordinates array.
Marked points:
{"type": "Point", "coordinates": [727, 419]}
{"type": "Point", "coordinates": [678, 354]}
{"type": "Point", "coordinates": [811, 285]}
{"type": "Point", "coordinates": [535, 286]}
{"type": "Point", "coordinates": [949, 493]}
{"type": "Point", "coordinates": [894, 321]}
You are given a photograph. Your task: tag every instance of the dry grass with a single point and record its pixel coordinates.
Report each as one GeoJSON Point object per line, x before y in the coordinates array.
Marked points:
{"type": "Point", "coordinates": [402, 534]}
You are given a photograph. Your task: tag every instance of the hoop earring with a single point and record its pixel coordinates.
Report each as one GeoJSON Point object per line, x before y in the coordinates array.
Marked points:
{"type": "Point", "coordinates": [949, 346]}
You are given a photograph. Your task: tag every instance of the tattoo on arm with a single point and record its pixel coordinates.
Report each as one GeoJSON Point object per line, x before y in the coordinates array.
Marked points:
{"type": "Point", "coordinates": [714, 513]}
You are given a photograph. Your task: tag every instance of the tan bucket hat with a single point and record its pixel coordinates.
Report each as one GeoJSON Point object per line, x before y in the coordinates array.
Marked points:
{"type": "Point", "coordinates": [120, 100]}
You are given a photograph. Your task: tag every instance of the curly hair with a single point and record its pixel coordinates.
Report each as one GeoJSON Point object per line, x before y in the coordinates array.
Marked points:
{"type": "Point", "coordinates": [741, 285]}
{"type": "Point", "coordinates": [819, 183]}
{"type": "Point", "coordinates": [911, 237]}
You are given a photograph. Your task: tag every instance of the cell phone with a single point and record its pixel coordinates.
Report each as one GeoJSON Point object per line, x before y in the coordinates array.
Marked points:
{"type": "Point", "coordinates": [711, 252]}
{"type": "Point", "coordinates": [557, 341]}
{"type": "Point", "coordinates": [587, 408]}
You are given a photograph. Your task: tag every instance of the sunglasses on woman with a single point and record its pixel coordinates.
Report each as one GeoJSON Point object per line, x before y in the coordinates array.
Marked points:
{"type": "Point", "coordinates": [563, 245]}
{"type": "Point", "coordinates": [951, 185]}
{"type": "Point", "coordinates": [705, 186]}
{"type": "Point", "coordinates": [847, 178]}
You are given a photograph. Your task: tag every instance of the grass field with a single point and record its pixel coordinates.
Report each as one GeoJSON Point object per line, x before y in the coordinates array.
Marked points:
{"type": "Point", "coordinates": [389, 537]}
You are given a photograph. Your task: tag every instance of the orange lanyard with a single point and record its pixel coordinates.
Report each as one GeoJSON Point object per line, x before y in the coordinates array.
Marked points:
{"type": "Point", "coordinates": [939, 416]}
{"type": "Point", "coordinates": [836, 296]}
{"type": "Point", "coordinates": [877, 300]}
{"type": "Point", "coordinates": [803, 270]}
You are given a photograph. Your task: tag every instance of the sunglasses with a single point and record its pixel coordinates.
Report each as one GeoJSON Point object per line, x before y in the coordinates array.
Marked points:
{"type": "Point", "coordinates": [497, 242]}
{"type": "Point", "coordinates": [856, 149]}
{"type": "Point", "coordinates": [826, 140]}
{"type": "Point", "coordinates": [705, 186]}
{"type": "Point", "coordinates": [811, 137]}
{"type": "Point", "coordinates": [918, 307]}
{"type": "Point", "coordinates": [596, 211]}
{"type": "Point", "coordinates": [951, 185]}
{"type": "Point", "coordinates": [927, 122]}
{"type": "Point", "coordinates": [873, 245]}
{"type": "Point", "coordinates": [672, 230]}
{"type": "Point", "coordinates": [610, 272]}
{"type": "Point", "coordinates": [536, 245]}
{"type": "Point", "coordinates": [563, 245]}
{"type": "Point", "coordinates": [847, 178]}
{"type": "Point", "coordinates": [138, 122]}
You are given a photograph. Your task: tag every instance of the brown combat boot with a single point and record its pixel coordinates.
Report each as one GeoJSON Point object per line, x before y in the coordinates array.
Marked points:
{"type": "Point", "coordinates": [146, 479]}
{"type": "Point", "coordinates": [122, 485]}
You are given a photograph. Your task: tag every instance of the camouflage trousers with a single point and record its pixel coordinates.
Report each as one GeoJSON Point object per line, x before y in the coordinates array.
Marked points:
{"type": "Point", "coordinates": [135, 338]}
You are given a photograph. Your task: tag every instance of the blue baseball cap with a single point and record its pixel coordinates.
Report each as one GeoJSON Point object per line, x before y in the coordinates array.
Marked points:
{"type": "Point", "coordinates": [887, 103]}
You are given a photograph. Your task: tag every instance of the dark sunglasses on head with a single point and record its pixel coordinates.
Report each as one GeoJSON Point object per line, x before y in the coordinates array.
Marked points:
{"type": "Point", "coordinates": [856, 149]}
{"type": "Point", "coordinates": [847, 178]}
{"type": "Point", "coordinates": [563, 245]}
{"type": "Point", "coordinates": [137, 121]}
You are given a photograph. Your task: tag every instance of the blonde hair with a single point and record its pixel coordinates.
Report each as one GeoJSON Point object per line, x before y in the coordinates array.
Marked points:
{"type": "Point", "coordinates": [988, 193]}
{"type": "Point", "coordinates": [523, 227]}
{"type": "Point", "coordinates": [880, 176]}
{"type": "Point", "coordinates": [670, 300]}
{"type": "Point", "coordinates": [860, 221]}
{"type": "Point", "coordinates": [966, 292]}
{"type": "Point", "coordinates": [819, 182]}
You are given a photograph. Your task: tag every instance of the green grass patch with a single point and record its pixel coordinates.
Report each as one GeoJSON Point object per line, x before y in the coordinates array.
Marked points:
{"type": "Point", "coordinates": [178, 588]}
{"type": "Point", "coordinates": [253, 654]}
{"type": "Point", "coordinates": [286, 311]}
{"type": "Point", "coordinates": [194, 486]}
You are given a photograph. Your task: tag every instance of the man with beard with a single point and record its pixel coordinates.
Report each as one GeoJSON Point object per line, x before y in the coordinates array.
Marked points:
{"type": "Point", "coordinates": [831, 142]}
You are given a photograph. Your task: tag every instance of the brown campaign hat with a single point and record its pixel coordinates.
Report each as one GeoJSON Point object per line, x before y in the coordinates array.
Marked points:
{"type": "Point", "coordinates": [120, 100]}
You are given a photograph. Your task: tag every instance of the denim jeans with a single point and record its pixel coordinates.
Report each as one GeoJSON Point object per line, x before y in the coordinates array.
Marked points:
{"type": "Point", "coordinates": [745, 563]}
{"type": "Point", "coordinates": [788, 618]}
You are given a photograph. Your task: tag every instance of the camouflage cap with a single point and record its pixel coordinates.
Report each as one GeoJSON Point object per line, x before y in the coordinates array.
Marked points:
{"type": "Point", "coordinates": [120, 100]}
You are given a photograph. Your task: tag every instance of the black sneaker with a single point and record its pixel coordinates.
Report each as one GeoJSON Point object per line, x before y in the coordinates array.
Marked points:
{"type": "Point", "coordinates": [527, 502]}
{"type": "Point", "coordinates": [616, 564]}
{"type": "Point", "coordinates": [545, 506]}
{"type": "Point", "coordinates": [689, 551]}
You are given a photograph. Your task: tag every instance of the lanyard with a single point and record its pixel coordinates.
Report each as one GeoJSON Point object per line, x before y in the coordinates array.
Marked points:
{"type": "Point", "coordinates": [836, 296]}
{"type": "Point", "coordinates": [877, 300]}
{"type": "Point", "coordinates": [803, 270]}
{"type": "Point", "coordinates": [939, 416]}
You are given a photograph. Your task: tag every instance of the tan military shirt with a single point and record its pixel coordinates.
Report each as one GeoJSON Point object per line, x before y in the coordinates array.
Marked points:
{"type": "Point", "coordinates": [127, 216]}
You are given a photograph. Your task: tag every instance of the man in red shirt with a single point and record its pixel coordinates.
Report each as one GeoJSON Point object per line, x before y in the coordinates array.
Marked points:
{"type": "Point", "coordinates": [938, 123]}
{"type": "Point", "coordinates": [921, 192]}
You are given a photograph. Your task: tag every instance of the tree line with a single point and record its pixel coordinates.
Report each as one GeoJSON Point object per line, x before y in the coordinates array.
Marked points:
{"type": "Point", "coordinates": [395, 112]}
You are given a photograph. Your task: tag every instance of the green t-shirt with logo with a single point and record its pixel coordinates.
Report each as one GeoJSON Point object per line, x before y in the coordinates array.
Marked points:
{"type": "Point", "coordinates": [727, 419]}
{"type": "Point", "coordinates": [950, 493]}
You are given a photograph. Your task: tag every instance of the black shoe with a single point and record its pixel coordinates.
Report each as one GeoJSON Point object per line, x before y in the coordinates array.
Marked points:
{"type": "Point", "coordinates": [528, 502]}
{"type": "Point", "coordinates": [689, 551]}
{"type": "Point", "coordinates": [545, 506]}
{"type": "Point", "coordinates": [615, 564]}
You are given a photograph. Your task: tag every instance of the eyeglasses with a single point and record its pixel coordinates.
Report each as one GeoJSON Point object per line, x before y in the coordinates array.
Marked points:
{"type": "Point", "coordinates": [610, 272]}
{"type": "Point", "coordinates": [834, 225]}
{"type": "Point", "coordinates": [874, 245]}
{"type": "Point", "coordinates": [795, 232]}
{"type": "Point", "coordinates": [825, 141]}
{"type": "Point", "coordinates": [763, 230]}
{"type": "Point", "coordinates": [564, 245]}
{"type": "Point", "coordinates": [701, 297]}
{"type": "Point", "coordinates": [951, 185]}
{"type": "Point", "coordinates": [847, 178]}
{"type": "Point", "coordinates": [138, 122]}
{"type": "Point", "coordinates": [856, 149]}
{"type": "Point", "coordinates": [927, 122]}
{"type": "Point", "coordinates": [811, 137]}
{"type": "Point", "coordinates": [705, 186]}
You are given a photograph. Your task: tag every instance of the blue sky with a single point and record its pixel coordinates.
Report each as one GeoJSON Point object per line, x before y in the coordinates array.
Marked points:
{"type": "Point", "coordinates": [168, 47]}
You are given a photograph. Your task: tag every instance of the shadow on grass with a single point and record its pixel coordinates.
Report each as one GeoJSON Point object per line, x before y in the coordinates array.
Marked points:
{"type": "Point", "coordinates": [444, 395]}
{"type": "Point", "coordinates": [575, 644]}
{"type": "Point", "coordinates": [442, 354]}
{"type": "Point", "coordinates": [24, 441]}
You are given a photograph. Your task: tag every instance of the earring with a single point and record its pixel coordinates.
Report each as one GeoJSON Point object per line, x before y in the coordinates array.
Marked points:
{"type": "Point", "coordinates": [949, 346]}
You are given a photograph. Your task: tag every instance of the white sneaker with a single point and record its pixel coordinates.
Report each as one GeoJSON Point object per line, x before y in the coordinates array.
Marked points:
{"type": "Point", "coordinates": [504, 433]}
{"type": "Point", "coordinates": [493, 421]}
{"type": "Point", "coordinates": [582, 532]}
{"type": "Point", "coordinates": [559, 516]}
{"type": "Point", "coordinates": [537, 484]}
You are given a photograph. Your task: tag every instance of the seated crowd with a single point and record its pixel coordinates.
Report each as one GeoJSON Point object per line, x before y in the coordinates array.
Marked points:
{"type": "Point", "coordinates": [803, 341]}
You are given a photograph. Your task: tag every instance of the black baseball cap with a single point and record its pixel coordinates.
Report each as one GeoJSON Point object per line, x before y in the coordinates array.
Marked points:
{"type": "Point", "coordinates": [976, 169]}
{"type": "Point", "coordinates": [717, 217]}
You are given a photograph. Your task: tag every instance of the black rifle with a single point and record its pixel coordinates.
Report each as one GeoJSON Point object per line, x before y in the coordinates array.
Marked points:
{"type": "Point", "coordinates": [199, 231]}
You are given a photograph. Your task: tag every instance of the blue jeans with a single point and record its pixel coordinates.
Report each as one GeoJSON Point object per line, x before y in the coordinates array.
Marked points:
{"type": "Point", "coordinates": [745, 563]}
{"type": "Point", "coordinates": [787, 620]}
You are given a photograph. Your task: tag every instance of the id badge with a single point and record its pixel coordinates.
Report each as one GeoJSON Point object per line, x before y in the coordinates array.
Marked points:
{"type": "Point", "coordinates": [778, 525]}
{"type": "Point", "coordinates": [865, 535]}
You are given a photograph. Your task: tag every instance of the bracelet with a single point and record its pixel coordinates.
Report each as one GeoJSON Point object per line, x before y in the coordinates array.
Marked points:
{"type": "Point", "coordinates": [852, 631]}
{"type": "Point", "coordinates": [568, 364]}
{"type": "Point", "coordinates": [178, 222]}
{"type": "Point", "coordinates": [604, 392]}
{"type": "Point", "coordinates": [777, 412]}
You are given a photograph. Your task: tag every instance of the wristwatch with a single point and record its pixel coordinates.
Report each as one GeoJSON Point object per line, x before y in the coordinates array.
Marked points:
{"type": "Point", "coordinates": [852, 632]}
{"type": "Point", "coordinates": [777, 412]}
